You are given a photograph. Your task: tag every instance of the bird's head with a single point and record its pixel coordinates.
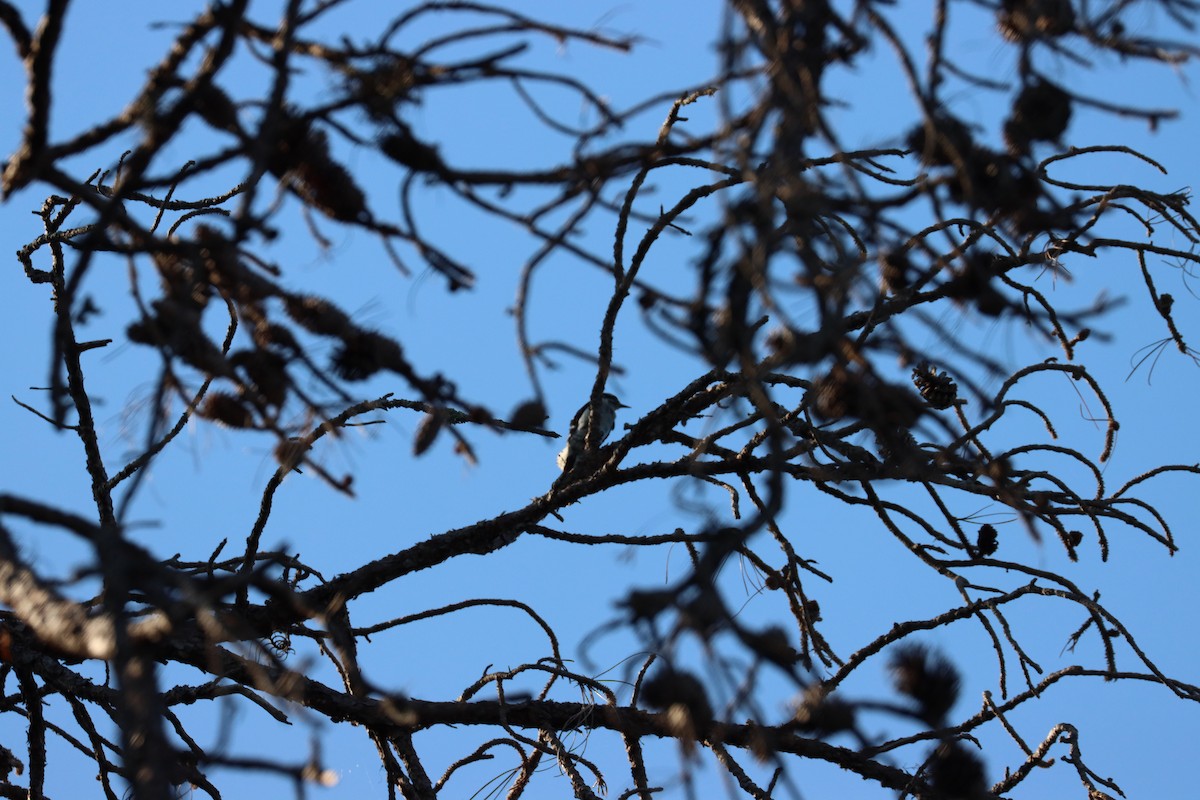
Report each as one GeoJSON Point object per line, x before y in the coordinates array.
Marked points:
{"type": "Point", "coordinates": [612, 400]}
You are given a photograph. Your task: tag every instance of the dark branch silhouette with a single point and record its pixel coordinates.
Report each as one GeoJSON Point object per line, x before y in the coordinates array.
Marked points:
{"type": "Point", "coordinates": [814, 268]}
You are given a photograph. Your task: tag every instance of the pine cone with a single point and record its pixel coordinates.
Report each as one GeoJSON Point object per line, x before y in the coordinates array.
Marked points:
{"type": "Point", "coordinates": [818, 712]}
{"type": "Point", "coordinates": [1022, 20]}
{"type": "Point", "coordinates": [987, 541]}
{"type": "Point", "coordinates": [956, 772]}
{"type": "Point", "coordinates": [225, 409]}
{"type": "Point", "coordinates": [894, 270]}
{"type": "Point", "coordinates": [834, 394]}
{"type": "Point", "coordinates": [1041, 112]}
{"type": "Point", "coordinates": [949, 144]}
{"type": "Point", "coordinates": [938, 388]}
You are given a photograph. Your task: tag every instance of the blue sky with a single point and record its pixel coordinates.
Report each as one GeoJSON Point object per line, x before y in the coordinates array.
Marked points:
{"type": "Point", "coordinates": [208, 485]}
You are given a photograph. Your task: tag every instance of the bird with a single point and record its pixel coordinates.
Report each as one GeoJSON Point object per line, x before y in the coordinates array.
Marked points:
{"type": "Point", "coordinates": [577, 436]}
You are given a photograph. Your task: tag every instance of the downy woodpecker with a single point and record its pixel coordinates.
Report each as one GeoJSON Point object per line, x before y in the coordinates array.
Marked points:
{"type": "Point", "coordinates": [606, 419]}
